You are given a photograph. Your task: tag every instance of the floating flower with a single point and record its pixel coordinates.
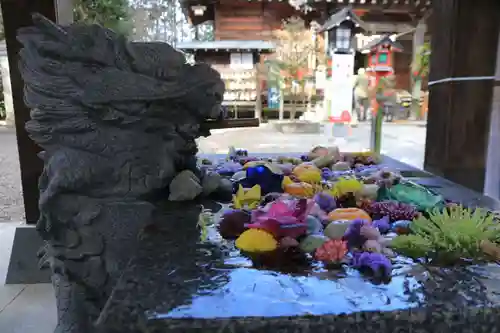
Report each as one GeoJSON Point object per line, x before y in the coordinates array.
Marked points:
{"type": "Point", "coordinates": [394, 210]}
{"type": "Point", "coordinates": [332, 251]}
{"type": "Point", "coordinates": [301, 189]}
{"type": "Point", "coordinates": [383, 224]}
{"type": "Point", "coordinates": [283, 219]}
{"type": "Point", "coordinates": [232, 224]}
{"type": "Point", "coordinates": [378, 264]}
{"type": "Point", "coordinates": [349, 214]}
{"type": "Point", "coordinates": [256, 241]}
{"type": "Point", "coordinates": [353, 234]}
{"type": "Point", "coordinates": [325, 201]}
{"type": "Point", "coordinates": [344, 186]}
{"type": "Point", "coordinates": [307, 173]}
{"type": "Point", "coordinates": [247, 198]}
{"type": "Point", "coordinates": [228, 168]}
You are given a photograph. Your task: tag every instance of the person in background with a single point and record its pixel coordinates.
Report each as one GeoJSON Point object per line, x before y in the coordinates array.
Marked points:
{"type": "Point", "coordinates": [386, 96]}
{"type": "Point", "coordinates": [361, 100]}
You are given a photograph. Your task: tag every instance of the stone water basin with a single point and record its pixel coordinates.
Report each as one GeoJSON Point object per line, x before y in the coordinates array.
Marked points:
{"type": "Point", "coordinates": [224, 286]}
{"type": "Point", "coordinates": [177, 284]}
{"type": "Point", "coordinates": [232, 287]}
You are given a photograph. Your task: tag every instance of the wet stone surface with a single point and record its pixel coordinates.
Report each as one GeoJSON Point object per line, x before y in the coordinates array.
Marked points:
{"type": "Point", "coordinates": [177, 284]}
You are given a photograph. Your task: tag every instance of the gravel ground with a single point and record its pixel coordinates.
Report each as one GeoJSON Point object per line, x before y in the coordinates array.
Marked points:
{"type": "Point", "coordinates": [11, 199]}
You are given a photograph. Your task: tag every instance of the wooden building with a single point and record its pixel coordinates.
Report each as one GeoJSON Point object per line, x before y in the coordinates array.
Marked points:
{"type": "Point", "coordinates": [249, 21]}
{"type": "Point", "coordinates": [237, 63]}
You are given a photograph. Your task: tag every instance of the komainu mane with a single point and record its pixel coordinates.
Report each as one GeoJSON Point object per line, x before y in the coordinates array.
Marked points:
{"type": "Point", "coordinates": [117, 121]}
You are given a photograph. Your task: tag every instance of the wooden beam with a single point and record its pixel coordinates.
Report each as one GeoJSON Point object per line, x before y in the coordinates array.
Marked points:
{"type": "Point", "coordinates": [17, 14]}
{"type": "Point", "coordinates": [462, 64]}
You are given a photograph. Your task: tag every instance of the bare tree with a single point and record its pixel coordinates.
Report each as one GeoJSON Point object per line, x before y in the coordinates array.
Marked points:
{"type": "Point", "coordinates": [164, 21]}
{"type": "Point", "coordinates": [293, 61]}
{"type": "Point", "coordinates": [2, 33]}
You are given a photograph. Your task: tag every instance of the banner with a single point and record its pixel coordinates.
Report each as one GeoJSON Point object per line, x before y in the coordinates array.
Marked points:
{"type": "Point", "coordinates": [273, 98]}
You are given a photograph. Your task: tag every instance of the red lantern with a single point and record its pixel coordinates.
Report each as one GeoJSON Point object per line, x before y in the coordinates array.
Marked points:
{"type": "Point", "coordinates": [360, 12]}
{"type": "Point", "coordinates": [300, 74]}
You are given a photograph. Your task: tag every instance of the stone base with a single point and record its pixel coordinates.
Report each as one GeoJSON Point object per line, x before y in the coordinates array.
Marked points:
{"type": "Point", "coordinates": [23, 266]}
{"type": "Point", "coordinates": [297, 126]}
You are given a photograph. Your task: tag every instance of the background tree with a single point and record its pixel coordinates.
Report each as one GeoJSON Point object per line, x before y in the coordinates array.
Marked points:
{"type": "Point", "coordinates": [293, 62]}
{"type": "Point", "coordinates": [419, 70]}
{"type": "Point", "coordinates": [113, 14]}
{"type": "Point", "coordinates": [2, 34]}
{"type": "Point", "coordinates": [163, 20]}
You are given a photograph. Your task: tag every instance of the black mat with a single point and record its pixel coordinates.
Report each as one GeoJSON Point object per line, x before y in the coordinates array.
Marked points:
{"type": "Point", "coordinates": [23, 266]}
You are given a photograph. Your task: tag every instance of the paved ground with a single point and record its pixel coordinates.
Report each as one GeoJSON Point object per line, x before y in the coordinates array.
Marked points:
{"type": "Point", "coordinates": [401, 141]}
{"type": "Point", "coordinates": [31, 308]}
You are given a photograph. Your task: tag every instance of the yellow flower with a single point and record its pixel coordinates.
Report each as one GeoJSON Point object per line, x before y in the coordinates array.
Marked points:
{"type": "Point", "coordinates": [286, 181]}
{"type": "Point", "coordinates": [307, 173]}
{"type": "Point", "coordinates": [344, 186]}
{"type": "Point", "coordinates": [256, 241]}
{"type": "Point", "coordinates": [310, 176]}
{"type": "Point", "coordinates": [247, 198]}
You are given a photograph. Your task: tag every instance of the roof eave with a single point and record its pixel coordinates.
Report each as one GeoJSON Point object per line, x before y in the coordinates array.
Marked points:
{"type": "Point", "coordinates": [345, 14]}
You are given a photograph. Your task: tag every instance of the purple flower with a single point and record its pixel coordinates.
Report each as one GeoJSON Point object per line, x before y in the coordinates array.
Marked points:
{"type": "Point", "coordinates": [367, 168]}
{"type": "Point", "coordinates": [383, 225]}
{"type": "Point", "coordinates": [228, 168]}
{"type": "Point", "coordinates": [325, 201]}
{"type": "Point", "coordinates": [326, 173]}
{"type": "Point", "coordinates": [377, 263]}
{"type": "Point", "coordinates": [394, 209]}
{"type": "Point", "coordinates": [353, 234]}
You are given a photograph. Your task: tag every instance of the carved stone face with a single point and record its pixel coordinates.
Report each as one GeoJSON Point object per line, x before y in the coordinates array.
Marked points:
{"type": "Point", "coordinates": [201, 91]}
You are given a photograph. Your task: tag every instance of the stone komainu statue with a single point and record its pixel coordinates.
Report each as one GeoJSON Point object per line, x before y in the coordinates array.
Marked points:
{"type": "Point", "coordinates": [117, 121]}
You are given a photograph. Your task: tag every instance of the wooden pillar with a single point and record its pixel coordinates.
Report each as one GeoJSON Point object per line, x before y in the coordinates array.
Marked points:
{"type": "Point", "coordinates": [464, 46]}
{"type": "Point", "coordinates": [492, 182]}
{"type": "Point", "coordinates": [17, 14]}
{"type": "Point", "coordinates": [258, 82]}
{"type": "Point", "coordinates": [418, 38]}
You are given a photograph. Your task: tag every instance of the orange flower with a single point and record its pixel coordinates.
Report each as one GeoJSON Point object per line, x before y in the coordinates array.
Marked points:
{"type": "Point", "coordinates": [331, 251]}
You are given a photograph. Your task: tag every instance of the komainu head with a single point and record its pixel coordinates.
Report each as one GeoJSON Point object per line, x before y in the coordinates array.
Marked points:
{"type": "Point", "coordinates": [83, 78]}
